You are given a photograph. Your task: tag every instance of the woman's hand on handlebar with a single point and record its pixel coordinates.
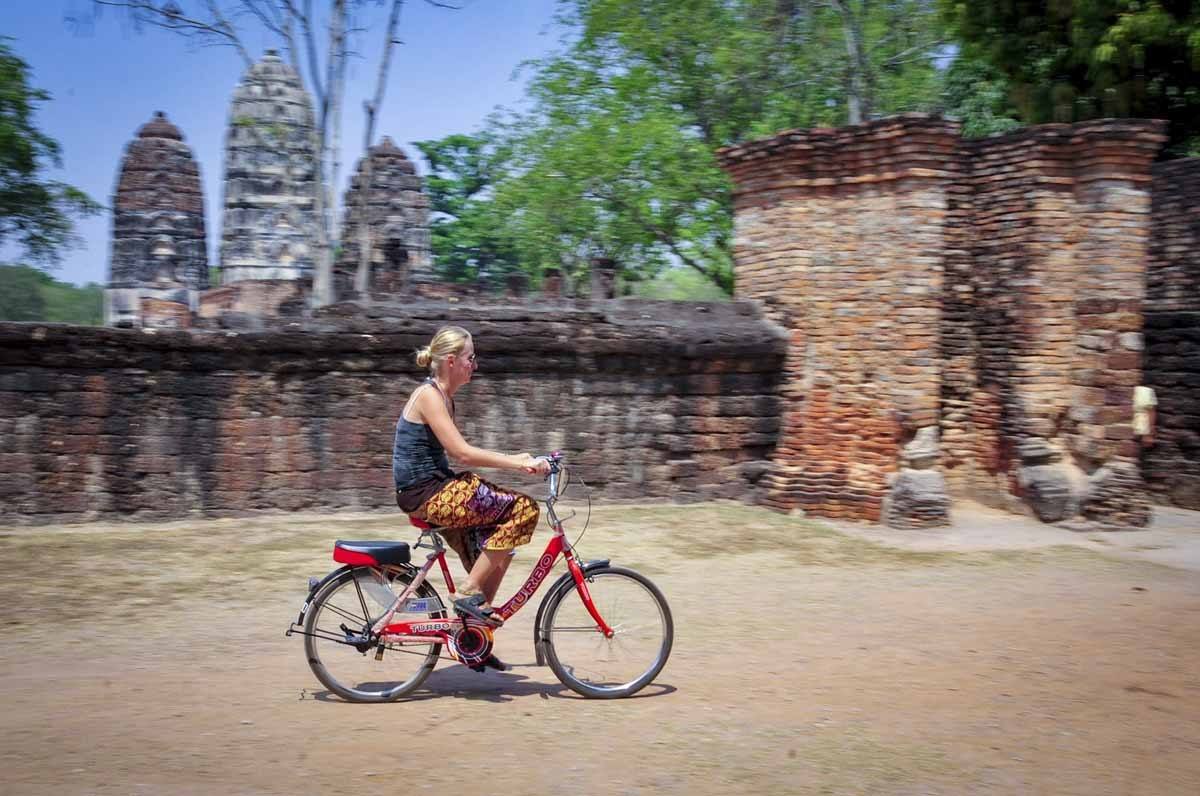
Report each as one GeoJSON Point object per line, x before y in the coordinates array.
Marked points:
{"type": "Point", "coordinates": [535, 464]}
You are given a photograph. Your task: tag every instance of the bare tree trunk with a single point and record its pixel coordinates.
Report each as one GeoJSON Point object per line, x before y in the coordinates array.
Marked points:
{"type": "Point", "coordinates": [362, 277]}
{"type": "Point", "coordinates": [858, 100]}
{"type": "Point", "coordinates": [330, 133]}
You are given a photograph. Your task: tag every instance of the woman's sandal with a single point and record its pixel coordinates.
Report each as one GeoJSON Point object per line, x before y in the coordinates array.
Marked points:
{"type": "Point", "coordinates": [492, 662]}
{"type": "Point", "coordinates": [477, 607]}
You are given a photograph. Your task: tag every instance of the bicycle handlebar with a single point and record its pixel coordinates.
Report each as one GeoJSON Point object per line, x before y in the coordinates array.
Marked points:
{"type": "Point", "coordinates": [557, 467]}
{"type": "Point", "coordinates": [555, 459]}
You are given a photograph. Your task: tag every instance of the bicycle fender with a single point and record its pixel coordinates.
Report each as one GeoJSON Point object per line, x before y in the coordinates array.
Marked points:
{"type": "Point", "coordinates": [314, 586]}
{"type": "Point", "coordinates": [564, 582]}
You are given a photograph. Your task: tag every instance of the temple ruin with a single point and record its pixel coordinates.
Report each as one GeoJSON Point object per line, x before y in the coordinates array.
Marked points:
{"type": "Point", "coordinates": [158, 264]}
{"type": "Point", "coordinates": [270, 169]}
{"type": "Point", "coordinates": [397, 219]}
{"type": "Point", "coordinates": [919, 318]}
{"type": "Point", "coordinates": [269, 229]}
{"type": "Point", "coordinates": [966, 316]}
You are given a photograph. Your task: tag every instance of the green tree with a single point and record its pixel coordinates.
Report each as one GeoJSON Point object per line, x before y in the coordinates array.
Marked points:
{"type": "Point", "coordinates": [21, 296]}
{"type": "Point", "coordinates": [468, 240]}
{"type": "Point", "coordinates": [67, 303]}
{"type": "Point", "coordinates": [615, 159]}
{"type": "Point", "coordinates": [27, 294]}
{"type": "Point", "coordinates": [1069, 61]}
{"type": "Point", "coordinates": [35, 212]}
{"type": "Point", "coordinates": [977, 96]}
{"type": "Point", "coordinates": [621, 176]}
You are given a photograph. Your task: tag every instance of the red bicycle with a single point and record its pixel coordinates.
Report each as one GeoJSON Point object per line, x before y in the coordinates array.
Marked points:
{"type": "Point", "coordinates": [375, 628]}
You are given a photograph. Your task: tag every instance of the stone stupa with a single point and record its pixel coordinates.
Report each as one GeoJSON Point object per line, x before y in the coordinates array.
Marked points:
{"type": "Point", "coordinates": [397, 217]}
{"type": "Point", "coordinates": [159, 261]}
{"type": "Point", "coordinates": [269, 225]}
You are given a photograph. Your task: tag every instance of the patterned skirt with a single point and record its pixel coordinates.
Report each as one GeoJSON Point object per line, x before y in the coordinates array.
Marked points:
{"type": "Point", "coordinates": [468, 500]}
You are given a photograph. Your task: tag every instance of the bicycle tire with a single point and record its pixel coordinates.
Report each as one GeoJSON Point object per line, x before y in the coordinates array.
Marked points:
{"type": "Point", "coordinates": [583, 659]}
{"type": "Point", "coordinates": [339, 602]}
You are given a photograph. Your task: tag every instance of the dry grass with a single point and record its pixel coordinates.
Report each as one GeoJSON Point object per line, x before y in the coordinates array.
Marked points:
{"type": "Point", "coordinates": [144, 571]}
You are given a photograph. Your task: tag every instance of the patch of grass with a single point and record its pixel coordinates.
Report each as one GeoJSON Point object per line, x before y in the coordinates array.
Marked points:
{"type": "Point", "coordinates": [147, 571]}
{"type": "Point", "coordinates": [708, 531]}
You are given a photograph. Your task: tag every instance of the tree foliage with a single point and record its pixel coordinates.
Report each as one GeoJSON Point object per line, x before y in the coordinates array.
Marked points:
{"type": "Point", "coordinates": [977, 95]}
{"type": "Point", "coordinates": [1068, 61]}
{"type": "Point", "coordinates": [614, 159]}
{"type": "Point", "coordinates": [27, 294]}
{"type": "Point", "coordinates": [466, 235]}
{"type": "Point", "coordinates": [37, 213]}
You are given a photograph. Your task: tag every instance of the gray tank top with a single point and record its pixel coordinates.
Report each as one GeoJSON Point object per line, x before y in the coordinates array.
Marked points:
{"type": "Point", "coordinates": [417, 454]}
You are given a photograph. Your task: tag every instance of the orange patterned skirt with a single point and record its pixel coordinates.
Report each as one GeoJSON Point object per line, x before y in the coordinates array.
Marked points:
{"type": "Point", "coordinates": [468, 500]}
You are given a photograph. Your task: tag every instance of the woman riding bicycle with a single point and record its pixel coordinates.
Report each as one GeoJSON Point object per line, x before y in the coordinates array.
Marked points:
{"type": "Point", "coordinates": [427, 489]}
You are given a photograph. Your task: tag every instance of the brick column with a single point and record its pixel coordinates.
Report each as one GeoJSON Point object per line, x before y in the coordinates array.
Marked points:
{"type": "Point", "coordinates": [1171, 466]}
{"type": "Point", "coordinates": [840, 234]}
{"type": "Point", "coordinates": [1112, 190]}
{"type": "Point", "coordinates": [1059, 222]}
{"type": "Point", "coordinates": [1022, 234]}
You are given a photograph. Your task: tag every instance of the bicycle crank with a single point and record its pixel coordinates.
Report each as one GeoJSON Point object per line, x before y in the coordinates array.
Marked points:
{"type": "Point", "coordinates": [472, 644]}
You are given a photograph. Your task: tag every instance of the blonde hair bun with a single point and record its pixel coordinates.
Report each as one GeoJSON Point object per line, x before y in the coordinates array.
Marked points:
{"type": "Point", "coordinates": [448, 340]}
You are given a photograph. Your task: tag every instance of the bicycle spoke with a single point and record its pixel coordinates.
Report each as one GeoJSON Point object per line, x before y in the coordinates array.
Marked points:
{"type": "Point", "coordinates": [373, 675]}
{"type": "Point", "coordinates": [346, 614]}
{"type": "Point", "coordinates": [618, 665]}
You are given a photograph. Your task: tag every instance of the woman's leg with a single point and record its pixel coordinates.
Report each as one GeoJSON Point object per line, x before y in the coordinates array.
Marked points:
{"type": "Point", "coordinates": [469, 501]}
{"type": "Point", "coordinates": [489, 571]}
{"type": "Point", "coordinates": [517, 529]}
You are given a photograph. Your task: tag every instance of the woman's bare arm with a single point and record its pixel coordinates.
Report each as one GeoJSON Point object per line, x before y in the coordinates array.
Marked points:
{"type": "Point", "coordinates": [431, 409]}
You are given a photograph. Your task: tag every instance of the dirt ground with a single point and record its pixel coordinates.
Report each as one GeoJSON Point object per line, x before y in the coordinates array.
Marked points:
{"type": "Point", "coordinates": [996, 657]}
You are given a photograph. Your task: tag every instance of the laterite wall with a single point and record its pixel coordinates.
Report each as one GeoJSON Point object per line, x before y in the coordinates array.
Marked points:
{"type": "Point", "coordinates": [965, 317]}
{"type": "Point", "coordinates": [676, 401]}
{"type": "Point", "coordinates": [1172, 465]}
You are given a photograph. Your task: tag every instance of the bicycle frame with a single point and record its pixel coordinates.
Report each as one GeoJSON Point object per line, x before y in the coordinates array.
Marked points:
{"type": "Point", "coordinates": [424, 630]}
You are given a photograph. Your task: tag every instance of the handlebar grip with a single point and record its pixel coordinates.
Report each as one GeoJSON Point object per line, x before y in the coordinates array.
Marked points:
{"type": "Point", "coordinates": [555, 460]}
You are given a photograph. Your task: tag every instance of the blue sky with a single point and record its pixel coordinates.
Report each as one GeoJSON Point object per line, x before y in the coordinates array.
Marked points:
{"type": "Point", "coordinates": [453, 69]}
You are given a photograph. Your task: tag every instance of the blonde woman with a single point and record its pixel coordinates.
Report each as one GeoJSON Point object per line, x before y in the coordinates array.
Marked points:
{"type": "Point", "coordinates": [427, 489]}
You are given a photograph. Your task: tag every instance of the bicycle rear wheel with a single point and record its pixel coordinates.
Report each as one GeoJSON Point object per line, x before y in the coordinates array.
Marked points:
{"type": "Point", "coordinates": [607, 668]}
{"type": "Point", "coordinates": [342, 613]}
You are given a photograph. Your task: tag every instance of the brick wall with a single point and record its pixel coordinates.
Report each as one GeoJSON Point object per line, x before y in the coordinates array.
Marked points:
{"type": "Point", "coordinates": [988, 290]}
{"type": "Point", "coordinates": [1058, 229]}
{"type": "Point", "coordinates": [842, 234]}
{"type": "Point", "coordinates": [650, 400]}
{"type": "Point", "coordinates": [1172, 313]}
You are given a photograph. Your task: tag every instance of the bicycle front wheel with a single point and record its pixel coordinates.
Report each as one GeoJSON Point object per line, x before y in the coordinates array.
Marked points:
{"type": "Point", "coordinates": [607, 668]}
{"type": "Point", "coordinates": [336, 626]}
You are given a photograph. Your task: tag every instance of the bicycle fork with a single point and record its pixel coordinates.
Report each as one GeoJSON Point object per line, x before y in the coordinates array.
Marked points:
{"type": "Point", "coordinates": [568, 580]}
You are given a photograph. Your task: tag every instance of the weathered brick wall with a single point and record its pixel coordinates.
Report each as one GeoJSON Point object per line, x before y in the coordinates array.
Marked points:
{"type": "Point", "coordinates": [987, 290]}
{"type": "Point", "coordinates": [1172, 312]}
{"type": "Point", "coordinates": [1059, 222]}
{"type": "Point", "coordinates": [1019, 218]}
{"type": "Point", "coordinates": [959, 345]}
{"type": "Point", "coordinates": [842, 234]}
{"type": "Point", "coordinates": [661, 401]}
